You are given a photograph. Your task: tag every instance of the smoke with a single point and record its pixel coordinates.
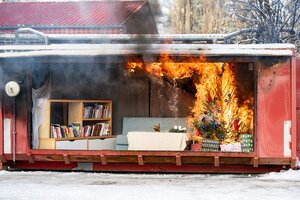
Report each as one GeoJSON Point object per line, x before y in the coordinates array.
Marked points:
{"type": "Point", "coordinates": [90, 77]}
{"type": "Point", "coordinates": [161, 12]}
{"type": "Point", "coordinates": [173, 102]}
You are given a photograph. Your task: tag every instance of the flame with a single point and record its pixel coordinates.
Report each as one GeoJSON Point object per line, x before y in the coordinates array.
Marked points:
{"type": "Point", "coordinates": [217, 81]}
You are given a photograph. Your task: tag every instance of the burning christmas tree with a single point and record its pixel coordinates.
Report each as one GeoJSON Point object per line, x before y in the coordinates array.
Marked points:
{"type": "Point", "coordinates": [218, 113]}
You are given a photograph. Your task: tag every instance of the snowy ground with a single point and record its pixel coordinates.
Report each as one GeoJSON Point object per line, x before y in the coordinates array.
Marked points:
{"type": "Point", "coordinates": [104, 186]}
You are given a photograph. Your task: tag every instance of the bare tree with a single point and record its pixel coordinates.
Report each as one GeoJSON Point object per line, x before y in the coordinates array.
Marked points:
{"type": "Point", "coordinates": [273, 21]}
{"type": "Point", "coordinates": [203, 16]}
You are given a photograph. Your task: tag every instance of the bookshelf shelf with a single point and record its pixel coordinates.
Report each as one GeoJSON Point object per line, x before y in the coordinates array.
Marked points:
{"type": "Point", "coordinates": [96, 119]}
{"type": "Point", "coordinates": [84, 138]}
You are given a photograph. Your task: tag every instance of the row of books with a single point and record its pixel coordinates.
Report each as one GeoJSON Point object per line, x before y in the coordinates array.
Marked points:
{"type": "Point", "coordinates": [99, 129]}
{"type": "Point", "coordinates": [97, 111]}
{"type": "Point", "coordinates": [74, 130]}
{"type": "Point", "coordinates": [65, 131]}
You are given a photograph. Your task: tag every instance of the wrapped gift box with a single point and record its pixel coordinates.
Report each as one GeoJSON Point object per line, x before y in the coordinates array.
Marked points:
{"type": "Point", "coordinates": [247, 142]}
{"type": "Point", "coordinates": [232, 147]}
{"type": "Point", "coordinates": [247, 149]}
{"type": "Point", "coordinates": [246, 136]}
{"type": "Point", "coordinates": [196, 147]}
{"type": "Point", "coordinates": [245, 145]}
{"type": "Point", "coordinates": [210, 145]}
{"type": "Point", "coordinates": [210, 149]}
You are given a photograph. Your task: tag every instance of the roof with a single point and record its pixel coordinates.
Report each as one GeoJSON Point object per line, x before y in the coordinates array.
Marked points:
{"type": "Point", "coordinates": [110, 15]}
{"type": "Point", "coordinates": [91, 50]}
{"type": "Point", "coordinates": [23, 35]}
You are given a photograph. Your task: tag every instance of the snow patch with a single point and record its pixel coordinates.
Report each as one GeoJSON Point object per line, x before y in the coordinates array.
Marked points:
{"type": "Point", "coordinates": [284, 175]}
{"type": "Point", "coordinates": [82, 185]}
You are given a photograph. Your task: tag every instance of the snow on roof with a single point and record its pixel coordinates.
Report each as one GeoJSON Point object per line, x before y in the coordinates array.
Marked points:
{"type": "Point", "coordinates": [136, 36]}
{"type": "Point", "coordinates": [136, 49]}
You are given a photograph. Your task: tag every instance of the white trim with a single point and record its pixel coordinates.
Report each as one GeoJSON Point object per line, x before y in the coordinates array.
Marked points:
{"type": "Point", "coordinates": [287, 138]}
{"type": "Point", "coordinates": [7, 135]}
{"type": "Point", "coordinates": [152, 49]}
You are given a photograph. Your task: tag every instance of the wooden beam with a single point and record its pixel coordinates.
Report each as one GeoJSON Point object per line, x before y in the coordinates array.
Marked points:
{"type": "Point", "coordinates": [66, 159]}
{"type": "Point", "coordinates": [293, 163]}
{"type": "Point", "coordinates": [141, 160]}
{"type": "Point", "coordinates": [274, 161]}
{"type": "Point", "coordinates": [255, 162]}
{"type": "Point", "coordinates": [103, 159]}
{"type": "Point", "coordinates": [145, 153]}
{"type": "Point", "coordinates": [30, 159]}
{"type": "Point", "coordinates": [150, 157]}
{"type": "Point", "coordinates": [178, 160]}
{"type": "Point", "coordinates": [217, 161]}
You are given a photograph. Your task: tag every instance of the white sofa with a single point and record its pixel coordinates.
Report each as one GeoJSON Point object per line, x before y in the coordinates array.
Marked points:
{"type": "Point", "coordinates": [145, 124]}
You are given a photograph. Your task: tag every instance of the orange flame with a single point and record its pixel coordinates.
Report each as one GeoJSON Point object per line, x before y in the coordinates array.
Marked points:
{"type": "Point", "coordinates": [217, 80]}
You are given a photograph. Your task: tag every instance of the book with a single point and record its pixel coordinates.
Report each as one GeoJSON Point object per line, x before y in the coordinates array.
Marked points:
{"type": "Point", "coordinates": [76, 128]}
{"type": "Point", "coordinates": [87, 130]}
{"type": "Point", "coordinates": [55, 131]}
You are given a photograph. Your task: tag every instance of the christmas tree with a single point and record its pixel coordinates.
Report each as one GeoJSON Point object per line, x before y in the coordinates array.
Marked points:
{"type": "Point", "coordinates": [217, 113]}
{"type": "Point", "coordinates": [209, 124]}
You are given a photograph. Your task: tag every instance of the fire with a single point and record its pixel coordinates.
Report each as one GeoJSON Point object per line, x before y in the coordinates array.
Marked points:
{"type": "Point", "coordinates": [217, 112]}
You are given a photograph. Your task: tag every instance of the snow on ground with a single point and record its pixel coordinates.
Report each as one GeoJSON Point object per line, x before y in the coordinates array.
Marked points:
{"type": "Point", "coordinates": [106, 186]}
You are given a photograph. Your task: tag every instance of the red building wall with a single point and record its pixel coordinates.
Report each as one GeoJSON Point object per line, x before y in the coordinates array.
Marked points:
{"type": "Point", "coordinates": [274, 104]}
{"type": "Point", "coordinates": [15, 71]}
{"type": "Point", "coordinates": [298, 105]}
